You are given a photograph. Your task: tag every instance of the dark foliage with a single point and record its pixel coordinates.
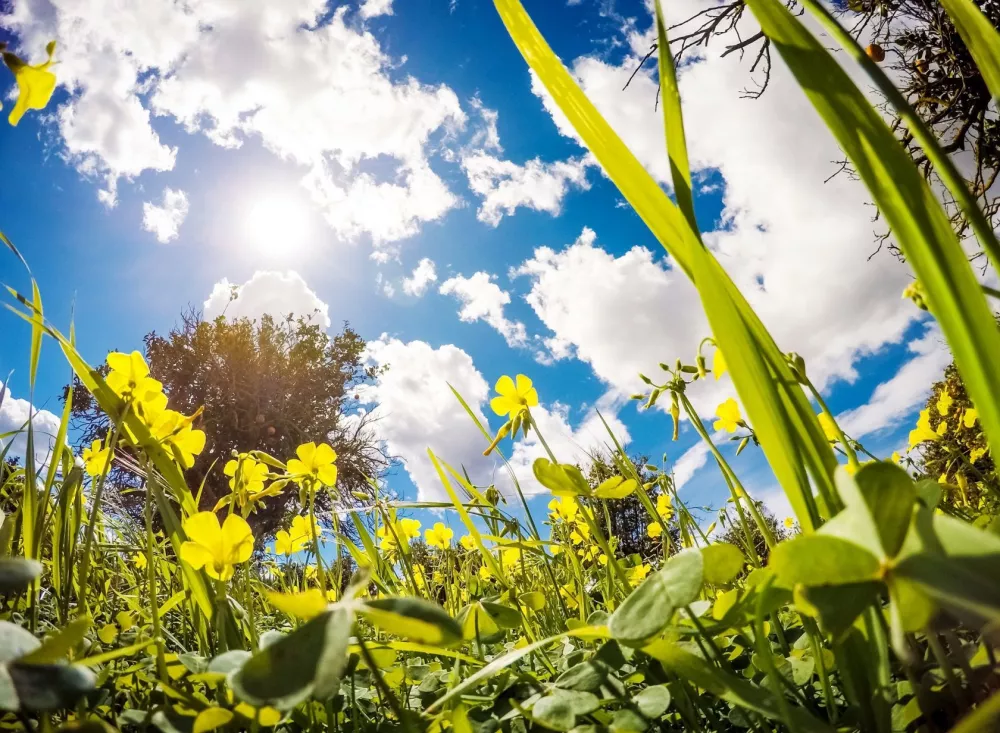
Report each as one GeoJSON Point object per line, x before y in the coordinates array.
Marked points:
{"type": "Point", "coordinates": [265, 385]}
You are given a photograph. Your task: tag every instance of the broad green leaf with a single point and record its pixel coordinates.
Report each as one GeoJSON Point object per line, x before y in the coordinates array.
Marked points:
{"type": "Point", "coordinates": [915, 217]}
{"type": "Point", "coordinates": [836, 606]}
{"type": "Point", "coordinates": [476, 622]}
{"type": "Point", "coordinates": [560, 479]}
{"type": "Point", "coordinates": [649, 608]}
{"type": "Point", "coordinates": [308, 661]}
{"type": "Point", "coordinates": [722, 562]}
{"type": "Point", "coordinates": [653, 701]}
{"type": "Point", "coordinates": [728, 687]}
{"type": "Point", "coordinates": [533, 599]}
{"type": "Point", "coordinates": [58, 646]}
{"type": "Point", "coordinates": [616, 487]}
{"type": "Point", "coordinates": [889, 492]}
{"type": "Point", "coordinates": [414, 619]}
{"type": "Point", "coordinates": [211, 718]}
{"type": "Point", "coordinates": [554, 713]}
{"type": "Point", "coordinates": [819, 559]}
{"type": "Point", "coordinates": [627, 720]}
{"type": "Point", "coordinates": [45, 687]}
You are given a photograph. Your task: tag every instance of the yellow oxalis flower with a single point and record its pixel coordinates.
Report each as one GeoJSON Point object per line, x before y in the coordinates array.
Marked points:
{"type": "Point", "coordinates": [267, 717]}
{"type": "Point", "coordinates": [95, 458]}
{"type": "Point", "coordinates": [829, 427]}
{"type": "Point", "coordinates": [439, 536]}
{"type": "Point", "coordinates": [923, 431]}
{"type": "Point", "coordinates": [729, 416]}
{"type": "Point", "coordinates": [976, 454]}
{"type": "Point", "coordinates": [664, 507]}
{"type": "Point", "coordinates": [895, 457]}
{"type": "Point", "coordinates": [288, 542]}
{"type": "Point", "coordinates": [467, 542]}
{"type": "Point", "coordinates": [789, 522]}
{"type": "Point", "coordinates": [944, 403]}
{"type": "Point", "coordinates": [129, 377]}
{"type": "Point", "coordinates": [564, 508]}
{"type": "Point", "coordinates": [251, 473]}
{"type": "Point", "coordinates": [216, 548]}
{"type": "Point", "coordinates": [719, 365]}
{"type": "Point", "coordinates": [35, 83]}
{"type": "Point", "coordinates": [654, 530]}
{"type": "Point", "coordinates": [638, 573]}
{"type": "Point", "coordinates": [410, 528]}
{"type": "Point", "coordinates": [316, 461]}
{"type": "Point", "coordinates": [513, 398]}
{"type": "Point", "coordinates": [139, 560]}
{"type": "Point", "coordinates": [176, 431]}
{"type": "Point", "coordinates": [970, 417]}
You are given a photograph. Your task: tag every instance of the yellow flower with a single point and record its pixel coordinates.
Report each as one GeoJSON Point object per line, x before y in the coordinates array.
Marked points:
{"type": "Point", "coordinates": [186, 442]}
{"type": "Point", "coordinates": [654, 529]}
{"type": "Point", "coordinates": [513, 398]}
{"type": "Point", "coordinates": [139, 560]}
{"type": "Point", "coordinates": [95, 458]}
{"type": "Point", "coordinates": [944, 403]}
{"type": "Point", "coordinates": [484, 572]}
{"type": "Point", "coordinates": [580, 534]}
{"type": "Point", "coordinates": [829, 427]}
{"type": "Point", "coordinates": [789, 523]}
{"type": "Point", "coordinates": [216, 548]}
{"type": "Point", "coordinates": [638, 573]}
{"type": "Point", "coordinates": [729, 416]}
{"type": "Point", "coordinates": [316, 461]}
{"type": "Point", "coordinates": [923, 431]}
{"type": "Point", "coordinates": [942, 428]}
{"type": "Point", "coordinates": [403, 529]}
{"type": "Point", "coordinates": [410, 528]}
{"type": "Point", "coordinates": [970, 417]}
{"type": "Point", "coordinates": [467, 542]}
{"type": "Point", "coordinates": [35, 84]}
{"type": "Point", "coordinates": [251, 473]}
{"type": "Point", "coordinates": [895, 457]}
{"type": "Point", "coordinates": [129, 377]}
{"type": "Point", "coordinates": [267, 717]}
{"type": "Point", "coordinates": [288, 542]}
{"type": "Point", "coordinates": [439, 536]}
{"type": "Point", "coordinates": [719, 365]}
{"type": "Point", "coordinates": [564, 508]}
{"type": "Point", "coordinates": [568, 592]}
{"type": "Point", "coordinates": [664, 507]}
{"type": "Point", "coordinates": [976, 454]}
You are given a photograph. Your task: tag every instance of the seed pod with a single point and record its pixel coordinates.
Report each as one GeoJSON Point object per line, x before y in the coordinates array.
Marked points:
{"type": "Point", "coordinates": [743, 444]}
{"type": "Point", "coordinates": [675, 413]}
{"type": "Point", "coordinates": [875, 52]}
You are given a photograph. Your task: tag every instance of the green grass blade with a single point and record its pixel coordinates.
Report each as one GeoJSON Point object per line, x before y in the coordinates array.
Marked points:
{"type": "Point", "coordinates": [915, 217]}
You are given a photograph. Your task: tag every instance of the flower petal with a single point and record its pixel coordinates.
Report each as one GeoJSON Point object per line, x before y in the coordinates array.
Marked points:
{"type": "Point", "coordinates": [324, 455]}
{"type": "Point", "coordinates": [505, 386]}
{"type": "Point", "coordinates": [204, 529]}
{"type": "Point", "coordinates": [305, 452]}
{"type": "Point", "coordinates": [195, 555]}
{"type": "Point", "coordinates": [501, 405]}
{"type": "Point", "coordinates": [523, 384]}
{"type": "Point", "coordinates": [237, 537]}
{"type": "Point", "coordinates": [530, 397]}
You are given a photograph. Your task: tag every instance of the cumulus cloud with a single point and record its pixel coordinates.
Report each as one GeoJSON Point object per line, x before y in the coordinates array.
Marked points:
{"type": "Point", "coordinates": [312, 88]}
{"type": "Point", "coordinates": [164, 221]}
{"type": "Point", "coordinates": [504, 185]}
{"type": "Point", "coordinates": [374, 8]}
{"type": "Point", "coordinates": [798, 247]}
{"type": "Point", "coordinates": [483, 300]}
{"type": "Point", "coordinates": [421, 278]}
{"type": "Point", "coordinates": [274, 293]}
{"type": "Point", "coordinates": [691, 460]}
{"type": "Point", "coordinates": [898, 397]}
{"type": "Point", "coordinates": [14, 416]}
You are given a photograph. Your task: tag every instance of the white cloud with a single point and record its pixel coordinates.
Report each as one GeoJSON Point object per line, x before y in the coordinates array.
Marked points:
{"type": "Point", "coordinates": [483, 300]}
{"type": "Point", "coordinates": [275, 293]}
{"type": "Point", "coordinates": [165, 221]}
{"type": "Point", "coordinates": [14, 414]}
{"type": "Point", "coordinates": [421, 278]}
{"type": "Point", "coordinates": [691, 460]}
{"type": "Point", "coordinates": [314, 90]}
{"type": "Point", "coordinates": [504, 185]}
{"type": "Point", "coordinates": [897, 398]}
{"type": "Point", "coordinates": [374, 8]}
{"type": "Point", "coordinates": [416, 410]}
{"type": "Point", "coordinates": [798, 247]}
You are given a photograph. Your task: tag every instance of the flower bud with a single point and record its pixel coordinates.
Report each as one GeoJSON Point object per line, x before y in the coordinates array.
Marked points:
{"type": "Point", "coordinates": [501, 434]}
{"type": "Point", "coordinates": [675, 413]}
{"type": "Point", "coordinates": [653, 396]}
{"type": "Point", "coordinates": [700, 365]}
{"type": "Point", "coordinates": [915, 292]}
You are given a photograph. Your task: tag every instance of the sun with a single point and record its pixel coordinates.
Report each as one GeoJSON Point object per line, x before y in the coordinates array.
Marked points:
{"type": "Point", "coordinates": [276, 224]}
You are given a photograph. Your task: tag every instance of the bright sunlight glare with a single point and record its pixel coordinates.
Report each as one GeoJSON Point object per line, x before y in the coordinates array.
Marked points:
{"type": "Point", "coordinates": [276, 224]}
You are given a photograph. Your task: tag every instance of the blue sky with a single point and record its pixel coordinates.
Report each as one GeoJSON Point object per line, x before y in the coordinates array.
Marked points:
{"type": "Point", "coordinates": [318, 154]}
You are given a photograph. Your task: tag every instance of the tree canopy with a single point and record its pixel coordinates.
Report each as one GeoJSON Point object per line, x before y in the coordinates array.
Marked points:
{"type": "Point", "coordinates": [265, 384]}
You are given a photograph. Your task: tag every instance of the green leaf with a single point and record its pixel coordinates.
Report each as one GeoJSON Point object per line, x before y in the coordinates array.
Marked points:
{"type": "Point", "coordinates": [616, 487]}
{"type": "Point", "coordinates": [414, 619]}
{"type": "Point", "coordinates": [16, 573]}
{"type": "Point", "coordinates": [308, 661]}
{"type": "Point", "coordinates": [49, 686]}
{"type": "Point", "coordinates": [554, 712]}
{"type": "Point", "coordinates": [837, 606]}
{"type": "Point", "coordinates": [911, 209]}
{"type": "Point", "coordinates": [818, 559]}
{"type": "Point", "coordinates": [533, 600]}
{"type": "Point", "coordinates": [649, 608]}
{"type": "Point", "coordinates": [59, 645]}
{"type": "Point", "coordinates": [890, 494]}
{"type": "Point", "coordinates": [722, 562]}
{"type": "Point", "coordinates": [653, 701]}
{"type": "Point", "coordinates": [628, 721]}
{"type": "Point", "coordinates": [561, 479]}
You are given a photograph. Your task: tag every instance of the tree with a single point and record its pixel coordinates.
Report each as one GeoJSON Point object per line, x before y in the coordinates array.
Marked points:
{"type": "Point", "coordinates": [629, 518]}
{"type": "Point", "coordinates": [734, 534]}
{"type": "Point", "coordinates": [925, 56]}
{"type": "Point", "coordinates": [266, 385]}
